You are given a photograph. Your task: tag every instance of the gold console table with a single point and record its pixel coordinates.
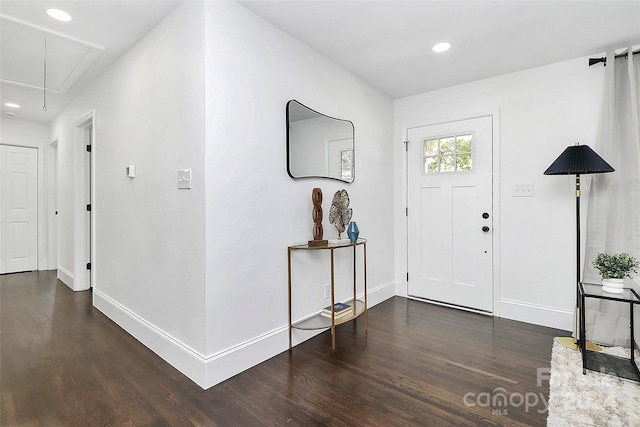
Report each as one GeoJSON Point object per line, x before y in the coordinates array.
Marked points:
{"type": "Point", "coordinates": [358, 307]}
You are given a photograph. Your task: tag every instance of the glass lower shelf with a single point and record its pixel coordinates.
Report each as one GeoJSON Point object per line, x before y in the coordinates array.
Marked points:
{"type": "Point", "coordinates": [321, 322]}
{"type": "Point", "coordinates": [612, 365]}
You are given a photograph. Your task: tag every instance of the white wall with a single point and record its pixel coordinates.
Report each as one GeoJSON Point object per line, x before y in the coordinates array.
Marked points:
{"type": "Point", "coordinates": [27, 134]}
{"type": "Point", "coordinates": [541, 111]}
{"type": "Point", "coordinates": [148, 264]}
{"type": "Point", "coordinates": [200, 275]}
{"type": "Point", "coordinates": [254, 209]}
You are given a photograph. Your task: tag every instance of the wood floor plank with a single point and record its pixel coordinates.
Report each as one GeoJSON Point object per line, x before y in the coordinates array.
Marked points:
{"type": "Point", "coordinates": [63, 363]}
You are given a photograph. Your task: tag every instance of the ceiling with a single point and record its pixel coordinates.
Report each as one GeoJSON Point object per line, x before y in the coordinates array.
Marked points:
{"type": "Point", "coordinates": [387, 43]}
{"type": "Point", "coordinates": [77, 52]}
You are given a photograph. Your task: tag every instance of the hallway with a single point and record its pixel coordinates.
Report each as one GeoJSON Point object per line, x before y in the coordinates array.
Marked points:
{"type": "Point", "coordinates": [63, 363]}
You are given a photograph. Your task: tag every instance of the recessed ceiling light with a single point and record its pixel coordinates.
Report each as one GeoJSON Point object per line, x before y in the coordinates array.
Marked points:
{"type": "Point", "coordinates": [12, 105]}
{"type": "Point", "coordinates": [441, 47]}
{"type": "Point", "coordinates": [58, 14]}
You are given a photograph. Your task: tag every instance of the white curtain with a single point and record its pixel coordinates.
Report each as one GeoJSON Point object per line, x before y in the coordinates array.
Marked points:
{"type": "Point", "coordinates": [613, 217]}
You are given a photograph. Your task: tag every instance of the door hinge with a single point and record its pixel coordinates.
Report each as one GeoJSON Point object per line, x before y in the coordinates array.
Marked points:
{"type": "Point", "coordinates": [88, 148]}
{"type": "Point", "coordinates": [88, 208]}
{"type": "Point", "coordinates": [407, 276]}
{"type": "Point", "coordinates": [406, 145]}
{"type": "Point", "coordinates": [88, 266]}
{"type": "Point", "coordinates": [406, 211]}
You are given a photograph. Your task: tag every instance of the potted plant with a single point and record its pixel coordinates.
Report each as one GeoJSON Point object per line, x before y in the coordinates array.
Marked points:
{"type": "Point", "coordinates": [614, 269]}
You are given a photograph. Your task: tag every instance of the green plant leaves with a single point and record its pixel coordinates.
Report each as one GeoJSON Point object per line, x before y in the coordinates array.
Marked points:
{"type": "Point", "coordinates": [616, 266]}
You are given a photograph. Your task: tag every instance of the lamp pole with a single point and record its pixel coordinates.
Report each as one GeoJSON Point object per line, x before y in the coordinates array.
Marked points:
{"type": "Point", "coordinates": [576, 316]}
{"type": "Point", "coordinates": [577, 160]}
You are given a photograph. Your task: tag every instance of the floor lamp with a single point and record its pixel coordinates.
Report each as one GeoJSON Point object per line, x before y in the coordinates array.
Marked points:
{"type": "Point", "coordinates": [577, 160]}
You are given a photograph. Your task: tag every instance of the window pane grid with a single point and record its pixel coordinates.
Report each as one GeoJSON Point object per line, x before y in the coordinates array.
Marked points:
{"type": "Point", "coordinates": [346, 164]}
{"type": "Point", "coordinates": [452, 153]}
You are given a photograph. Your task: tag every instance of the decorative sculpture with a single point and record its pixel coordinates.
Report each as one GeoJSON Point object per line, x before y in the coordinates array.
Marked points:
{"type": "Point", "coordinates": [340, 213]}
{"type": "Point", "coordinates": [316, 198]}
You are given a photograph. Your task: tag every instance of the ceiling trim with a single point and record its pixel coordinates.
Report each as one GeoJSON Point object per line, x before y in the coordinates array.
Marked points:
{"type": "Point", "coordinates": [94, 52]}
{"type": "Point", "coordinates": [45, 30]}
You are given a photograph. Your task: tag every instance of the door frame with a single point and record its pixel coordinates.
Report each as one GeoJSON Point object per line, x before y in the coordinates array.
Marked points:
{"type": "Point", "coordinates": [51, 201]}
{"type": "Point", "coordinates": [83, 281]}
{"type": "Point", "coordinates": [495, 203]}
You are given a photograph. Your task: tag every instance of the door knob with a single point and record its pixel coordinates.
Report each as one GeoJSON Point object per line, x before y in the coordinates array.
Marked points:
{"type": "Point", "coordinates": [485, 229]}
{"type": "Point", "coordinates": [485, 215]}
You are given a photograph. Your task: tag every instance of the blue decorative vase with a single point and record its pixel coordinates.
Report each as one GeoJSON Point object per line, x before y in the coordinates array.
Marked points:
{"type": "Point", "coordinates": [353, 232]}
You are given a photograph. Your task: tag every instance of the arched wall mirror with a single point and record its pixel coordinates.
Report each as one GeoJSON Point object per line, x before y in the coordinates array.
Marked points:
{"type": "Point", "coordinates": [319, 146]}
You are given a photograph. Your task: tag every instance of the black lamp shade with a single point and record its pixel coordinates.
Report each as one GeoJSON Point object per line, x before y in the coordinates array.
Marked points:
{"type": "Point", "coordinates": [578, 160]}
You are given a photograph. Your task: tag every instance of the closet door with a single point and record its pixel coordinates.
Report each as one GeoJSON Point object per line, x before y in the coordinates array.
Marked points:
{"type": "Point", "coordinates": [18, 209]}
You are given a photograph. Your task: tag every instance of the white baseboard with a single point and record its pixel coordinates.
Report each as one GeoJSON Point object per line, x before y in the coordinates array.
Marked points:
{"type": "Point", "coordinates": [381, 293]}
{"type": "Point", "coordinates": [65, 277]}
{"type": "Point", "coordinates": [225, 364]}
{"type": "Point", "coordinates": [537, 315]}
{"type": "Point", "coordinates": [207, 371]}
{"type": "Point", "coordinates": [180, 356]}
{"type": "Point", "coordinates": [232, 361]}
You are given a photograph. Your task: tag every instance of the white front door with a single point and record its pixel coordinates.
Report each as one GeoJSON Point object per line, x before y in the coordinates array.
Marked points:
{"type": "Point", "coordinates": [450, 217]}
{"type": "Point", "coordinates": [18, 209]}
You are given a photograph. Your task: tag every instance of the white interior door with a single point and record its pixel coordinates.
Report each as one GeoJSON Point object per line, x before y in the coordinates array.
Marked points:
{"type": "Point", "coordinates": [450, 217]}
{"type": "Point", "coordinates": [18, 209]}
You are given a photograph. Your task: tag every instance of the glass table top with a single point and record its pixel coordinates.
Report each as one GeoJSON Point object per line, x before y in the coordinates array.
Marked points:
{"type": "Point", "coordinates": [330, 245]}
{"type": "Point", "coordinates": [595, 290]}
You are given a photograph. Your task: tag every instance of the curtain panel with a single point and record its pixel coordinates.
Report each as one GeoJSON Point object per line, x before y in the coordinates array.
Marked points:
{"type": "Point", "coordinates": [613, 216]}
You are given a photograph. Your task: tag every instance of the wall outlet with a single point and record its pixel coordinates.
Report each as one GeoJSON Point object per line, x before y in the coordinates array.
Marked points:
{"type": "Point", "coordinates": [522, 190]}
{"type": "Point", "coordinates": [327, 291]}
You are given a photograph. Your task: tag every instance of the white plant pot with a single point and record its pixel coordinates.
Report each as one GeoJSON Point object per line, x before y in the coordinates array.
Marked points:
{"type": "Point", "coordinates": [613, 286]}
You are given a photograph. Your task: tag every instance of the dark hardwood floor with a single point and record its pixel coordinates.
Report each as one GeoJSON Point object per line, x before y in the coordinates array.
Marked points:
{"type": "Point", "coordinates": [63, 363]}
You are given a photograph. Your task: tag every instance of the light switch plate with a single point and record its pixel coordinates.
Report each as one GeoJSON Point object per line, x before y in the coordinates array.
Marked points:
{"type": "Point", "coordinates": [184, 178]}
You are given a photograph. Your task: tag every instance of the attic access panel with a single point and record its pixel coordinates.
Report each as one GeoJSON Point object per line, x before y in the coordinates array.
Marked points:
{"type": "Point", "coordinates": [23, 53]}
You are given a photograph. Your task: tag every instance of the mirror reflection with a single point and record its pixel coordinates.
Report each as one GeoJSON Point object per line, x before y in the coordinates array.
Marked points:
{"type": "Point", "coordinates": [319, 146]}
